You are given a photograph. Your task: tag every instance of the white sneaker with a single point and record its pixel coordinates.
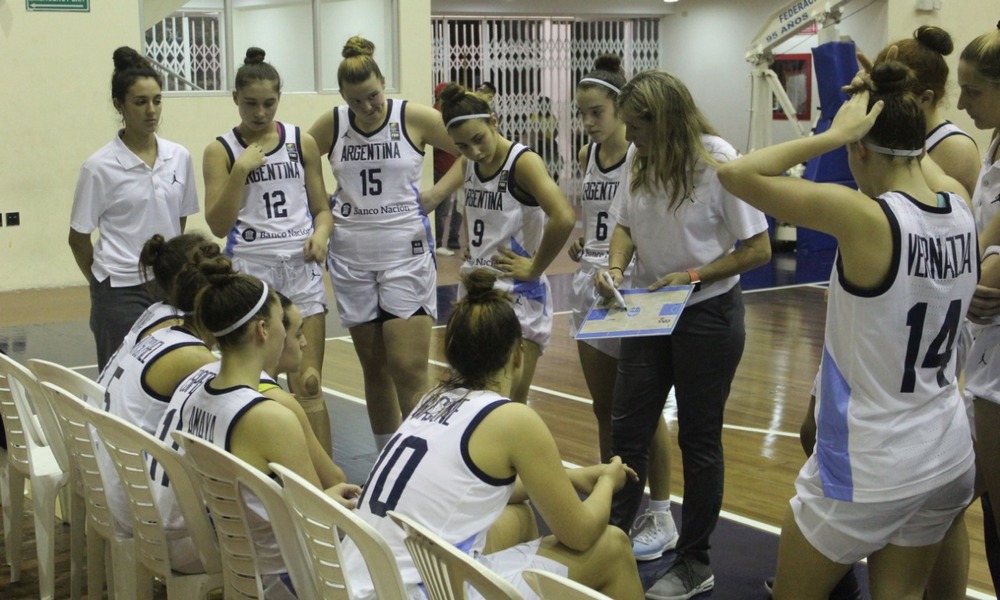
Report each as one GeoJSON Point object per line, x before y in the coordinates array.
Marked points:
{"type": "Point", "coordinates": [653, 534]}
{"type": "Point", "coordinates": [444, 251]}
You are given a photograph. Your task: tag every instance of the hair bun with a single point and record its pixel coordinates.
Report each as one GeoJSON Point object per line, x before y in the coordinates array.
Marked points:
{"type": "Point", "coordinates": [127, 58]}
{"type": "Point", "coordinates": [608, 62]}
{"type": "Point", "coordinates": [479, 284]}
{"type": "Point", "coordinates": [254, 56]}
{"type": "Point", "coordinates": [935, 38]}
{"type": "Point", "coordinates": [358, 46]}
{"type": "Point", "coordinates": [452, 93]}
{"type": "Point", "coordinates": [892, 77]}
{"type": "Point", "coordinates": [152, 249]}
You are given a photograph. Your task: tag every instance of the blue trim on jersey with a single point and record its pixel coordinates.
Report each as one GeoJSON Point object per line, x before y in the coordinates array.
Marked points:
{"type": "Point", "coordinates": [897, 245]}
{"type": "Point", "coordinates": [352, 125]}
{"type": "Point", "coordinates": [956, 131]}
{"type": "Point", "coordinates": [833, 454]}
{"type": "Point", "coordinates": [146, 367]}
{"type": "Point", "coordinates": [225, 146]}
{"type": "Point", "coordinates": [467, 435]}
{"type": "Point", "coordinates": [597, 160]}
{"type": "Point", "coordinates": [402, 125]}
{"type": "Point", "coordinates": [517, 192]}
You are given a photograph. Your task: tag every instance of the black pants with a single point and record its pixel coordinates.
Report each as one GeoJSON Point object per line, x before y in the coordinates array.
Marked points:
{"type": "Point", "coordinates": [699, 362]}
{"type": "Point", "coordinates": [113, 311]}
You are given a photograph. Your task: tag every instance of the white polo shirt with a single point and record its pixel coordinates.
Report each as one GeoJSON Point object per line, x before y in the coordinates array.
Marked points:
{"type": "Point", "coordinates": [703, 228]}
{"type": "Point", "coordinates": [118, 194]}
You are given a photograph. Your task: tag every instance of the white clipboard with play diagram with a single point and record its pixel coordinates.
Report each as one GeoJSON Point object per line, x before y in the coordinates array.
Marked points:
{"type": "Point", "coordinates": [645, 313]}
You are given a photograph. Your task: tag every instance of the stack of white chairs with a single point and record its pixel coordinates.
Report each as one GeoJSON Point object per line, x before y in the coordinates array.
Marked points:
{"type": "Point", "coordinates": [222, 477]}
{"type": "Point", "coordinates": [131, 449]}
{"type": "Point", "coordinates": [320, 521]}
{"type": "Point", "coordinates": [66, 390]}
{"type": "Point", "coordinates": [36, 453]}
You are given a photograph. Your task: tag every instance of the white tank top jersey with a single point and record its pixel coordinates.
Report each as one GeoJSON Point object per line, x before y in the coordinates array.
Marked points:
{"type": "Point", "coordinates": [204, 412]}
{"type": "Point", "coordinates": [891, 423]}
{"type": "Point", "coordinates": [499, 214]}
{"type": "Point", "coordinates": [156, 313]}
{"type": "Point", "coordinates": [599, 187]}
{"type": "Point", "coordinates": [274, 217]}
{"type": "Point", "coordinates": [127, 395]}
{"type": "Point", "coordinates": [379, 222]}
{"type": "Point", "coordinates": [425, 472]}
{"type": "Point", "coordinates": [942, 131]}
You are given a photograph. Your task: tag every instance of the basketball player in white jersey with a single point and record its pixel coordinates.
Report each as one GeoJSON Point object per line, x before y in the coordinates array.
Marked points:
{"type": "Point", "coordinates": [221, 403]}
{"type": "Point", "coordinates": [140, 382]}
{"type": "Point", "coordinates": [893, 465]}
{"type": "Point", "coordinates": [979, 80]}
{"type": "Point", "coordinates": [517, 219]}
{"type": "Point", "coordinates": [955, 153]}
{"type": "Point", "coordinates": [264, 192]}
{"type": "Point", "coordinates": [466, 459]}
{"type": "Point", "coordinates": [165, 258]}
{"type": "Point", "coordinates": [381, 258]}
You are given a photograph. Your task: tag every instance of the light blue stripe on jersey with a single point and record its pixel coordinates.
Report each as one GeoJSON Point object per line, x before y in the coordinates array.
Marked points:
{"type": "Point", "coordinates": [232, 239]}
{"type": "Point", "coordinates": [832, 436]}
{"type": "Point", "coordinates": [534, 289]}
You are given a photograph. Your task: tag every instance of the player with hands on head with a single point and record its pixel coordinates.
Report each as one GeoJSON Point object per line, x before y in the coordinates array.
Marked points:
{"type": "Point", "coordinates": [673, 216]}
{"type": "Point", "coordinates": [136, 186]}
{"type": "Point", "coordinates": [893, 465]}
{"type": "Point", "coordinates": [602, 161]}
{"type": "Point", "coordinates": [517, 220]}
{"type": "Point", "coordinates": [381, 257]}
{"type": "Point", "coordinates": [264, 193]}
{"type": "Point", "coordinates": [467, 458]}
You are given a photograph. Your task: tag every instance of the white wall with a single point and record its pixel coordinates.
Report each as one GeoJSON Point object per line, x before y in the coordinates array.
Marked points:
{"type": "Point", "coordinates": [56, 94]}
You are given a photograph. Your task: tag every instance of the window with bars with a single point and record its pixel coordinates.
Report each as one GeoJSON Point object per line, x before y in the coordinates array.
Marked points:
{"type": "Point", "coordinates": [535, 64]}
{"type": "Point", "coordinates": [199, 46]}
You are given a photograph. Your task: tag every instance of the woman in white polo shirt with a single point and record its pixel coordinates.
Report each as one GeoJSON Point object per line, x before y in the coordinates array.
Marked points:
{"type": "Point", "coordinates": [136, 186]}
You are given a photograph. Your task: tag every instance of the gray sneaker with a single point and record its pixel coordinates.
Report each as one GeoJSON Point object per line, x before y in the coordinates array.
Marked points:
{"type": "Point", "coordinates": [684, 579]}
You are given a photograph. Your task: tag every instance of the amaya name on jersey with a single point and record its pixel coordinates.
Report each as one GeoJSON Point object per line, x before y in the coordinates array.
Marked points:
{"type": "Point", "coordinates": [939, 258]}
{"type": "Point", "coordinates": [202, 424]}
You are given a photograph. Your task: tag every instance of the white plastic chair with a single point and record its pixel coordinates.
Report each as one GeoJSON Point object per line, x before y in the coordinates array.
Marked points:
{"type": "Point", "coordinates": [223, 477]}
{"type": "Point", "coordinates": [445, 570]}
{"type": "Point", "coordinates": [550, 586]}
{"type": "Point", "coordinates": [319, 521]}
{"type": "Point", "coordinates": [103, 535]}
{"type": "Point", "coordinates": [130, 446]}
{"type": "Point", "coordinates": [31, 456]}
